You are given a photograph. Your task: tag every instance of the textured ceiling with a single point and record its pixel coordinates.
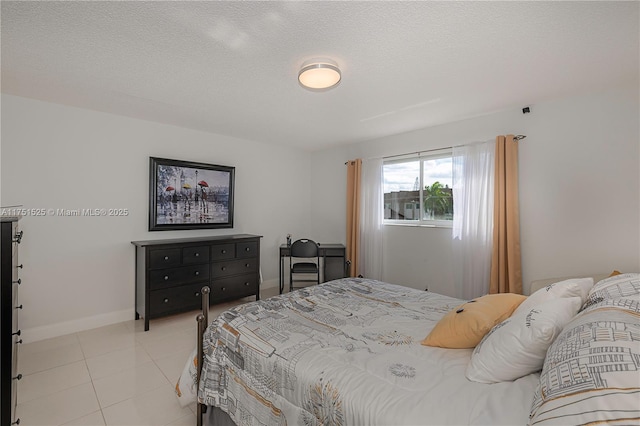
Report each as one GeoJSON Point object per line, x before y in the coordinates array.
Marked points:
{"type": "Point", "coordinates": [231, 67]}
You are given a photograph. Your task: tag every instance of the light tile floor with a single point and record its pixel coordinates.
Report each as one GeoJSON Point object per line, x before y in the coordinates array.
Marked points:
{"type": "Point", "coordinates": [113, 375]}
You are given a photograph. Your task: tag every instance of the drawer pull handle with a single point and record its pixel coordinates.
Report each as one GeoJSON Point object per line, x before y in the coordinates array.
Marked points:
{"type": "Point", "coordinates": [166, 300]}
{"type": "Point", "coordinates": [247, 249]}
{"type": "Point", "coordinates": [20, 266]}
{"type": "Point", "coordinates": [246, 283]}
{"type": "Point", "coordinates": [166, 258]}
{"type": "Point", "coordinates": [223, 288]}
{"type": "Point", "coordinates": [17, 422]}
{"type": "Point", "coordinates": [224, 268]}
{"type": "Point", "coordinates": [197, 255]}
{"type": "Point", "coordinates": [223, 251]}
{"type": "Point", "coordinates": [18, 377]}
{"type": "Point", "coordinates": [246, 265]}
{"type": "Point", "coordinates": [18, 281]}
{"type": "Point", "coordinates": [197, 294]}
{"type": "Point", "coordinates": [166, 277]}
{"type": "Point", "coordinates": [197, 273]}
{"type": "Point", "coordinates": [19, 342]}
{"type": "Point", "coordinates": [17, 333]}
{"type": "Point", "coordinates": [19, 307]}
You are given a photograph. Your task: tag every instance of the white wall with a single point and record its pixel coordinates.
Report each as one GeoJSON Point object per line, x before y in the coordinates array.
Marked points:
{"type": "Point", "coordinates": [579, 189]}
{"type": "Point", "coordinates": [579, 181]}
{"type": "Point", "coordinates": [79, 271]}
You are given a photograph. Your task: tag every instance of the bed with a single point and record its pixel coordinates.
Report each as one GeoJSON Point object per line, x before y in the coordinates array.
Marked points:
{"type": "Point", "coordinates": [349, 352]}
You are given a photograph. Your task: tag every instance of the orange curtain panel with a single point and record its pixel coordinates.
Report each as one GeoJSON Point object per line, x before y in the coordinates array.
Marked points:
{"type": "Point", "coordinates": [354, 177]}
{"type": "Point", "coordinates": [506, 262]}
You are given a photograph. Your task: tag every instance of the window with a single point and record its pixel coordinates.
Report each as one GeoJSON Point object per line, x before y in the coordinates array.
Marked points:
{"type": "Point", "coordinates": [418, 189]}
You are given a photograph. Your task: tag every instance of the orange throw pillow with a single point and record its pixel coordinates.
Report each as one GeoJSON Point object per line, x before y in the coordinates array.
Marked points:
{"type": "Point", "coordinates": [466, 325]}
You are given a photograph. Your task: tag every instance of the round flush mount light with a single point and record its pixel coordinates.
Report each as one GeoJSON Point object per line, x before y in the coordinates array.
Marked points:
{"type": "Point", "coordinates": [319, 74]}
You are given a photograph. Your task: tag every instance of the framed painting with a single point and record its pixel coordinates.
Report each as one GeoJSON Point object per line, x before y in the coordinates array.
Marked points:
{"type": "Point", "coordinates": [189, 195]}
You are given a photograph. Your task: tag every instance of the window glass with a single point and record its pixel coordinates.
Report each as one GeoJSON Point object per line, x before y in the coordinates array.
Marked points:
{"type": "Point", "coordinates": [401, 186]}
{"type": "Point", "coordinates": [437, 189]}
{"type": "Point", "coordinates": [419, 190]}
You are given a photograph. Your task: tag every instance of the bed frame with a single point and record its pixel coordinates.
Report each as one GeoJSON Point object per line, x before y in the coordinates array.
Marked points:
{"type": "Point", "coordinates": [214, 416]}
{"type": "Point", "coordinates": [203, 322]}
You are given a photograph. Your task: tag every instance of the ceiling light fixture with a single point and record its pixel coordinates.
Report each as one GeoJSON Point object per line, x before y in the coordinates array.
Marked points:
{"type": "Point", "coordinates": [319, 74]}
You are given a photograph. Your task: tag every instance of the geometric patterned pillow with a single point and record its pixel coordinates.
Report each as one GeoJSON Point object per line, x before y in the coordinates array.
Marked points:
{"type": "Point", "coordinates": [618, 286]}
{"type": "Point", "coordinates": [591, 373]}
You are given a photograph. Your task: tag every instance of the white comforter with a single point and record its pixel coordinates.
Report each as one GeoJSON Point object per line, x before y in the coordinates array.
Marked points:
{"type": "Point", "coordinates": [346, 352]}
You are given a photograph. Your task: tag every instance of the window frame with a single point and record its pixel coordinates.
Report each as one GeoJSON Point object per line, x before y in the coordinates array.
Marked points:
{"type": "Point", "coordinates": [421, 157]}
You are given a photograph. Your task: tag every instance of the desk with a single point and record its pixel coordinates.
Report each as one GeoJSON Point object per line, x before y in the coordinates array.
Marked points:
{"type": "Point", "coordinates": [334, 262]}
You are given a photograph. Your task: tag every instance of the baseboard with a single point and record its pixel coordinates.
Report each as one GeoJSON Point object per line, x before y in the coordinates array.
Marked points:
{"type": "Point", "coordinates": [274, 283]}
{"type": "Point", "coordinates": [67, 327]}
{"type": "Point", "coordinates": [59, 329]}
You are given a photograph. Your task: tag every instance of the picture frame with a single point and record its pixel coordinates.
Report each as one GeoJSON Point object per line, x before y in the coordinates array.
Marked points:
{"type": "Point", "coordinates": [189, 195]}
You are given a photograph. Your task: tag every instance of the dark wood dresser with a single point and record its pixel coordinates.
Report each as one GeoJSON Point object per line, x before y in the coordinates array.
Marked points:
{"type": "Point", "coordinates": [10, 237]}
{"type": "Point", "coordinates": [170, 273]}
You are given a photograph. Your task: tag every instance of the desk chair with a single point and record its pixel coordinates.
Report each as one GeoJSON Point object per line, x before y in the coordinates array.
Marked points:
{"type": "Point", "coordinates": [305, 249]}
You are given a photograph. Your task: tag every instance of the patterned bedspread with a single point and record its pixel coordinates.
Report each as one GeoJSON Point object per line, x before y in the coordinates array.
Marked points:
{"type": "Point", "coordinates": [346, 352]}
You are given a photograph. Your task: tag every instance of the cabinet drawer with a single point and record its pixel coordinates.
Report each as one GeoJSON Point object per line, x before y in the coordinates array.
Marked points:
{"type": "Point", "coordinates": [176, 298]}
{"type": "Point", "coordinates": [234, 267]}
{"type": "Point", "coordinates": [334, 252]}
{"type": "Point", "coordinates": [223, 251]}
{"type": "Point", "coordinates": [195, 255]}
{"type": "Point", "coordinates": [248, 249]}
{"type": "Point", "coordinates": [164, 258]}
{"type": "Point", "coordinates": [161, 278]}
{"type": "Point", "coordinates": [234, 288]}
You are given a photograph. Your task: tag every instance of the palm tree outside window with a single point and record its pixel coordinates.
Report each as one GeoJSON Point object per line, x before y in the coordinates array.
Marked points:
{"type": "Point", "coordinates": [418, 189]}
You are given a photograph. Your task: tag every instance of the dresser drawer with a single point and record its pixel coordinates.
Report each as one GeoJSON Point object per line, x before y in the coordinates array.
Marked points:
{"type": "Point", "coordinates": [162, 278]}
{"type": "Point", "coordinates": [234, 288]}
{"type": "Point", "coordinates": [171, 272]}
{"type": "Point", "coordinates": [195, 255]}
{"type": "Point", "coordinates": [248, 249]}
{"type": "Point", "coordinates": [176, 299]}
{"type": "Point", "coordinates": [164, 258]}
{"type": "Point", "coordinates": [233, 267]}
{"type": "Point", "coordinates": [223, 251]}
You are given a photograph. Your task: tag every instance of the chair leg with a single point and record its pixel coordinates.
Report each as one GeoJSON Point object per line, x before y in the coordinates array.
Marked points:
{"type": "Point", "coordinates": [290, 281]}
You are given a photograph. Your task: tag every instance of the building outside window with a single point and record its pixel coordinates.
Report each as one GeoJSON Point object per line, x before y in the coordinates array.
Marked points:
{"type": "Point", "coordinates": [418, 189]}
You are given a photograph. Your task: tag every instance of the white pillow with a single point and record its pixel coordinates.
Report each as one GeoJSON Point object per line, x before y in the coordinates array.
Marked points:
{"type": "Point", "coordinates": [568, 288]}
{"type": "Point", "coordinates": [517, 346]}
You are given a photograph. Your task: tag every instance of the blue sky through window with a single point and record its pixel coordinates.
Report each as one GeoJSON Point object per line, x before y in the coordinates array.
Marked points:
{"type": "Point", "coordinates": [402, 176]}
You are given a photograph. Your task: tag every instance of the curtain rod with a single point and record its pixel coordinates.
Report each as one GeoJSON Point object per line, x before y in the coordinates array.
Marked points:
{"type": "Point", "coordinates": [516, 138]}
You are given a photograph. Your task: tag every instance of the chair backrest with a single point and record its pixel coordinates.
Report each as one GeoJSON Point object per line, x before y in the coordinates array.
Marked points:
{"type": "Point", "coordinates": [304, 248]}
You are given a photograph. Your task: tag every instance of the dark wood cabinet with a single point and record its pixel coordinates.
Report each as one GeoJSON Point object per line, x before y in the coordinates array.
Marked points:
{"type": "Point", "coordinates": [10, 237]}
{"type": "Point", "coordinates": [335, 265]}
{"type": "Point", "coordinates": [170, 273]}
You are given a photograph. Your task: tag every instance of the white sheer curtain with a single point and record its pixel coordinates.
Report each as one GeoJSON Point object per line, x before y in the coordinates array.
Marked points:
{"type": "Point", "coordinates": [370, 256]}
{"type": "Point", "coordinates": [473, 177]}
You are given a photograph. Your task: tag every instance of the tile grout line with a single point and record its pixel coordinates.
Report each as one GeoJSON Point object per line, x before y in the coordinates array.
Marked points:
{"type": "Point", "coordinates": [95, 393]}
